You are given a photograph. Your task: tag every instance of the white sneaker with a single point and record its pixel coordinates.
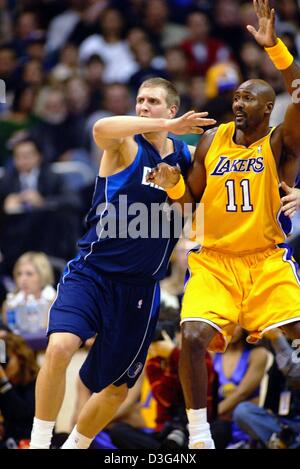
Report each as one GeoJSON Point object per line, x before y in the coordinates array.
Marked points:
{"type": "Point", "coordinates": [203, 444]}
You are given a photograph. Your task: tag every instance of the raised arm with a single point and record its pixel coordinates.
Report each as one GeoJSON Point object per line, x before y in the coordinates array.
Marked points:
{"type": "Point", "coordinates": [110, 131]}
{"type": "Point", "coordinates": [114, 135]}
{"type": "Point", "coordinates": [266, 37]}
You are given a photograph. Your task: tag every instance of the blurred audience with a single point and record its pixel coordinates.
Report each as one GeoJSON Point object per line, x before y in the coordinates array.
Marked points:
{"type": "Point", "coordinates": [280, 429]}
{"type": "Point", "coordinates": [17, 383]}
{"type": "Point", "coordinates": [38, 212]}
{"type": "Point", "coordinates": [240, 370]}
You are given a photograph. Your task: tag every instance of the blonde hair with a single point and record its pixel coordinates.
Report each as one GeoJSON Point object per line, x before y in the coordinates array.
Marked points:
{"type": "Point", "coordinates": [42, 265]}
{"type": "Point", "coordinates": [173, 98]}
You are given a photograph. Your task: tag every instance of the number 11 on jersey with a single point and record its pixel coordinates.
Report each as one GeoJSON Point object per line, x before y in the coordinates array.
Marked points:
{"type": "Point", "coordinates": [231, 196]}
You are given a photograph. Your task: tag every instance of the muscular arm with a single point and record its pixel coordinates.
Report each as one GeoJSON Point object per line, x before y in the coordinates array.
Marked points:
{"type": "Point", "coordinates": [114, 135]}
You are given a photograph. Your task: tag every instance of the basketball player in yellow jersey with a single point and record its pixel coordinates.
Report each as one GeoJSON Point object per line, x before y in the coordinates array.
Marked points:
{"type": "Point", "coordinates": [244, 273]}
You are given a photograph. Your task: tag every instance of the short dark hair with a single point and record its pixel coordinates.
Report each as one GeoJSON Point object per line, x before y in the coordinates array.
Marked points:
{"type": "Point", "coordinates": [28, 139]}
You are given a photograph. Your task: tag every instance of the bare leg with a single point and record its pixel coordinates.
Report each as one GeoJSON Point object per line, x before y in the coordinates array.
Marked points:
{"type": "Point", "coordinates": [193, 374]}
{"type": "Point", "coordinates": [50, 385]}
{"type": "Point", "coordinates": [192, 365]}
{"type": "Point", "coordinates": [97, 412]}
{"type": "Point", "coordinates": [100, 409]}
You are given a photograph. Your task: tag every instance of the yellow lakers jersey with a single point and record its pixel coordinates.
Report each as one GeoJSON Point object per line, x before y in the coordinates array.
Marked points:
{"type": "Point", "coordinates": [241, 199]}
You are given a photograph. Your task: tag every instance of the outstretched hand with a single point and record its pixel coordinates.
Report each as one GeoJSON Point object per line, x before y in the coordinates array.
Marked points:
{"type": "Point", "coordinates": [265, 36]}
{"type": "Point", "coordinates": [291, 201]}
{"type": "Point", "coordinates": [189, 123]}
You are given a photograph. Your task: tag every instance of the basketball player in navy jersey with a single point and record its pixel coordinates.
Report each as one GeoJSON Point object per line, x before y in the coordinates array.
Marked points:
{"type": "Point", "coordinates": [112, 288]}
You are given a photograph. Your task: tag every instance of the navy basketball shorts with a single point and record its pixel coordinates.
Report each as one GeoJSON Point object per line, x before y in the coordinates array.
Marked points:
{"type": "Point", "coordinates": [123, 316]}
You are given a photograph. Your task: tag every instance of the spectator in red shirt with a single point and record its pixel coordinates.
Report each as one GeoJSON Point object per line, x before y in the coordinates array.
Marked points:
{"type": "Point", "coordinates": [201, 49]}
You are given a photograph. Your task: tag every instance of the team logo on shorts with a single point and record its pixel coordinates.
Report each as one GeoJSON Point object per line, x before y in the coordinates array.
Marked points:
{"type": "Point", "coordinates": [134, 370]}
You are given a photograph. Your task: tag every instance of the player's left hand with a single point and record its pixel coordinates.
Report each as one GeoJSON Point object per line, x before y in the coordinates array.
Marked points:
{"type": "Point", "coordinates": [291, 201]}
{"type": "Point", "coordinates": [265, 36]}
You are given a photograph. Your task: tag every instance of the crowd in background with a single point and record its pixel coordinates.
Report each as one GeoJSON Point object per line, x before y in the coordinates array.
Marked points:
{"type": "Point", "coordinates": [67, 63]}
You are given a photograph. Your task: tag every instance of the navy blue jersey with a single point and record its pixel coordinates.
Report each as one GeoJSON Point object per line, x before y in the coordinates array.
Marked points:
{"type": "Point", "coordinates": [125, 238]}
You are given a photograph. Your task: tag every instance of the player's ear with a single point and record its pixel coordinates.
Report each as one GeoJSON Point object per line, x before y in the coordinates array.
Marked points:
{"type": "Point", "coordinates": [173, 111]}
{"type": "Point", "coordinates": [269, 107]}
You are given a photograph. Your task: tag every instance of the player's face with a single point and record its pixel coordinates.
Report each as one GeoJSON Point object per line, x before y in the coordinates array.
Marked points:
{"type": "Point", "coordinates": [151, 102]}
{"type": "Point", "coordinates": [247, 108]}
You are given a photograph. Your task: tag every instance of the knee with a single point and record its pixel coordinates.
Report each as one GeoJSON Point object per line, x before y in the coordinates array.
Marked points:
{"type": "Point", "coordinates": [116, 394]}
{"type": "Point", "coordinates": [59, 354]}
{"type": "Point", "coordinates": [195, 337]}
{"type": "Point", "coordinates": [242, 412]}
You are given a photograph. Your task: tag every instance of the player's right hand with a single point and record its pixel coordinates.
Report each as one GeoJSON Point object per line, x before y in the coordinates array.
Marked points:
{"type": "Point", "coordinates": [189, 123]}
{"type": "Point", "coordinates": [164, 175]}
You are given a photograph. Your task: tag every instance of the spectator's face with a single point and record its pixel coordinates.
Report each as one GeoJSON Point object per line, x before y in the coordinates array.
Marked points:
{"type": "Point", "coordinates": [26, 25]}
{"type": "Point", "coordinates": [94, 72]}
{"type": "Point", "coordinates": [288, 9]}
{"type": "Point", "coordinates": [176, 61]}
{"type": "Point", "coordinates": [198, 26]}
{"type": "Point", "coordinates": [69, 55]}
{"type": "Point", "coordinates": [152, 102]}
{"type": "Point", "coordinates": [227, 13]}
{"type": "Point", "coordinates": [156, 12]}
{"type": "Point", "coordinates": [26, 157]}
{"type": "Point", "coordinates": [33, 73]}
{"type": "Point", "coordinates": [144, 53]}
{"type": "Point", "coordinates": [26, 100]}
{"type": "Point", "coordinates": [77, 95]}
{"type": "Point", "coordinates": [135, 36]}
{"type": "Point", "coordinates": [117, 100]}
{"type": "Point", "coordinates": [27, 279]}
{"type": "Point", "coordinates": [112, 23]}
{"type": "Point", "coordinates": [12, 368]}
{"type": "Point", "coordinates": [55, 109]}
{"type": "Point", "coordinates": [7, 62]}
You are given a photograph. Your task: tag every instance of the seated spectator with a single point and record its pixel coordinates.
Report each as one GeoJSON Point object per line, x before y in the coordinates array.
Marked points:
{"type": "Point", "coordinates": [33, 275]}
{"type": "Point", "coordinates": [201, 49]}
{"type": "Point", "coordinates": [281, 429]}
{"type": "Point", "coordinates": [20, 118]}
{"type": "Point", "coordinates": [144, 56]}
{"type": "Point", "coordinates": [111, 47]}
{"type": "Point", "coordinates": [240, 370]}
{"type": "Point", "coordinates": [17, 383]}
{"type": "Point", "coordinates": [38, 211]}
{"type": "Point", "coordinates": [60, 131]}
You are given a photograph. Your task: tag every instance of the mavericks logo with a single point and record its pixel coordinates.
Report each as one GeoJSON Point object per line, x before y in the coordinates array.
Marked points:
{"type": "Point", "coordinates": [225, 165]}
{"type": "Point", "coordinates": [134, 370]}
{"type": "Point", "coordinates": [151, 184]}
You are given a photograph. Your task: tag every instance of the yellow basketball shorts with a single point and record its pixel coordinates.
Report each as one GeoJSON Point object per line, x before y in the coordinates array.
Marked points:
{"type": "Point", "coordinates": [258, 291]}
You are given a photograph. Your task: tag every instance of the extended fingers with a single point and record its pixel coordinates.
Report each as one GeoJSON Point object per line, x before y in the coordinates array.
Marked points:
{"type": "Point", "coordinates": [289, 198]}
{"type": "Point", "coordinates": [290, 213]}
{"type": "Point", "coordinates": [289, 206]}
